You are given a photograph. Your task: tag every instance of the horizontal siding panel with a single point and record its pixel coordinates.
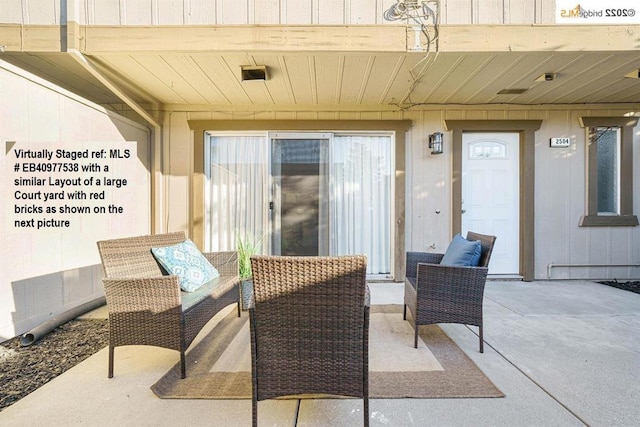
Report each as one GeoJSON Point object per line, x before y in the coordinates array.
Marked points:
{"type": "Point", "coordinates": [105, 13]}
{"type": "Point", "coordinates": [362, 11]}
{"type": "Point", "coordinates": [456, 12]}
{"type": "Point", "coordinates": [490, 11]}
{"type": "Point", "coordinates": [172, 12]}
{"type": "Point", "coordinates": [41, 12]}
{"type": "Point", "coordinates": [269, 12]}
{"type": "Point", "coordinates": [297, 12]}
{"type": "Point", "coordinates": [266, 11]}
{"type": "Point", "coordinates": [331, 12]}
{"type": "Point", "coordinates": [12, 12]}
{"type": "Point", "coordinates": [233, 12]}
{"type": "Point", "coordinates": [137, 13]}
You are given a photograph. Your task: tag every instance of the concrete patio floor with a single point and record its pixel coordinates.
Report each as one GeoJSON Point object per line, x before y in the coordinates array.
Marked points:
{"type": "Point", "coordinates": [565, 353]}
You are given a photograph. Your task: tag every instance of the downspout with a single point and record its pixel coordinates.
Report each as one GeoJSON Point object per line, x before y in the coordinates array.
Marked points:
{"type": "Point", "coordinates": [72, 46]}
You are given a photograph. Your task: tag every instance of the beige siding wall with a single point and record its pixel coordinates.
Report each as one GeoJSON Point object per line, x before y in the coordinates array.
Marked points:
{"type": "Point", "coordinates": [46, 272]}
{"type": "Point", "coordinates": [280, 12]}
{"type": "Point", "coordinates": [560, 201]}
{"type": "Point", "coordinates": [497, 12]}
{"type": "Point", "coordinates": [559, 195]}
{"type": "Point", "coordinates": [41, 12]}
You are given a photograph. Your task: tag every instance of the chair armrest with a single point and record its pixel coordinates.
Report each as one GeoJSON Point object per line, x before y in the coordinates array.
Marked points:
{"type": "Point", "coordinates": [413, 258]}
{"type": "Point", "coordinates": [153, 294]}
{"type": "Point", "coordinates": [226, 262]}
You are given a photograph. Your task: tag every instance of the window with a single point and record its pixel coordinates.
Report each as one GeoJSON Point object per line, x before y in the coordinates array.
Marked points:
{"type": "Point", "coordinates": [609, 171]}
{"type": "Point", "coordinates": [488, 150]}
{"type": "Point", "coordinates": [607, 141]}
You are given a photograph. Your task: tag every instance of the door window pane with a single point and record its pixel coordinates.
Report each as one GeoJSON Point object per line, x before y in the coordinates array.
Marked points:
{"type": "Point", "coordinates": [487, 150]}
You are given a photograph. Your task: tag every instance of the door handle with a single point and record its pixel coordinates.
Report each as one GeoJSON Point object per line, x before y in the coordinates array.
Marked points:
{"type": "Point", "coordinates": [270, 205]}
{"type": "Point", "coordinates": [463, 211]}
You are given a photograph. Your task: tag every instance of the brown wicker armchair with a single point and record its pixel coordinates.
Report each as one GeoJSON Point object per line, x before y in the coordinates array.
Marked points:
{"type": "Point", "coordinates": [309, 320]}
{"type": "Point", "coordinates": [437, 293]}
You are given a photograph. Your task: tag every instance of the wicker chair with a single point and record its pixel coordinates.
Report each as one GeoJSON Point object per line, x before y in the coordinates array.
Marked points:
{"type": "Point", "coordinates": [148, 308]}
{"type": "Point", "coordinates": [309, 319]}
{"type": "Point", "coordinates": [437, 293]}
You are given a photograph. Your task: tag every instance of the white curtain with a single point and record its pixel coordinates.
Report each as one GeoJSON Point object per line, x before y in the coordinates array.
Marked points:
{"type": "Point", "coordinates": [361, 173]}
{"type": "Point", "coordinates": [238, 193]}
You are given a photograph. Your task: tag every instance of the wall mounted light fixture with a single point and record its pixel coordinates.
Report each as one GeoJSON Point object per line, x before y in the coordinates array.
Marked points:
{"type": "Point", "coordinates": [436, 143]}
{"type": "Point", "coordinates": [546, 77]}
{"type": "Point", "coordinates": [635, 74]}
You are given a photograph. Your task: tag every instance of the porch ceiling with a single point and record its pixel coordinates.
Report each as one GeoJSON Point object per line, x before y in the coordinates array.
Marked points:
{"type": "Point", "coordinates": [371, 71]}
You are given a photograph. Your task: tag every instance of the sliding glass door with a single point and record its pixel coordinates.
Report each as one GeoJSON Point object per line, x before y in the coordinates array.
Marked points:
{"type": "Point", "coordinates": [303, 194]}
{"type": "Point", "coordinates": [300, 194]}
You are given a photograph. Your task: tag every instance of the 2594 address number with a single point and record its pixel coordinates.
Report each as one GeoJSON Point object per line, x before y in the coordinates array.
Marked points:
{"type": "Point", "coordinates": [560, 142]}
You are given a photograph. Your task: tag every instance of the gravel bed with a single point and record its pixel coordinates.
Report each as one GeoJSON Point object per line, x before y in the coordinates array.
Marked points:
{"type": "Point", "coordinates": [24, 369]}
{"type": "Point", "coordinates": [627, 286]}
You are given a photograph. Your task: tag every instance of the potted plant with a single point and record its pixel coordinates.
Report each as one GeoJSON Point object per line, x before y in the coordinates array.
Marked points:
{"type": "Point", "coordinates": [246, 245]}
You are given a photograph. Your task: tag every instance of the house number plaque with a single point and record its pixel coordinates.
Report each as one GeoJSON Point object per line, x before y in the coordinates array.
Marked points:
{"type": "Point", "coordinates": [560, 142]}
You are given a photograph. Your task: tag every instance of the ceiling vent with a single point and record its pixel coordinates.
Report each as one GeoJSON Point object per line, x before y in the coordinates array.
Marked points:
{"type": "Point", "coordinates": [514, 91]}
{"type": "Point", "coordinates": [253, 72]}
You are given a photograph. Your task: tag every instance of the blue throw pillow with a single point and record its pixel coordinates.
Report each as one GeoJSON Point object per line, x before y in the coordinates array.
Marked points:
{"type": "Point", "coordinates": [187, 262]}
{"type": "Point", "coordinates": [462, 252]}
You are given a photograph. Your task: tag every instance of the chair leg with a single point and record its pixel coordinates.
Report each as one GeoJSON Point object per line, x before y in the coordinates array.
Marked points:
{"type": "Point", "coordinates": [404, 313]}
{"type": "Point", "coordinates": [481, 339]}
{"type": "Point", "coordinates": [366, 411]}
{"type": "Point", "coordinates": [183, 365]}
{"type": "Point", "coordinates": [254, 411]}
{"type": "Point", "coordinates": [110, 361]}
{"type": "Point", "coordinates": [415, 336]}
{"type": "Point", "coordinates": [239, 310]}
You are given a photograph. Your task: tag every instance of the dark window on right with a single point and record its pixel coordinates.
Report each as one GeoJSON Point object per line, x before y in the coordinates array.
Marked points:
{"type": "Point", "coordinates": [609, 171]}
{"type": "Point", "coordinates": [608, 158]}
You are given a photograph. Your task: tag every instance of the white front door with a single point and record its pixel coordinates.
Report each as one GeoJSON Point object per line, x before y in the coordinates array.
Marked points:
{"type": "Point", "coordinates": [490, 194]}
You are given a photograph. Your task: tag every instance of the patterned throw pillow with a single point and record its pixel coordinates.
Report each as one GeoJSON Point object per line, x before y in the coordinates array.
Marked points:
{"type": "Point", "coordinates": [462, 252]}
{"type": "Point", "coordinates": [187, 262]}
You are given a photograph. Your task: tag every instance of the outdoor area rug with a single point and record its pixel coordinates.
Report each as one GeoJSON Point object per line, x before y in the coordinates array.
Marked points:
{"type": "Point", "coordinates": [219, 366]}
